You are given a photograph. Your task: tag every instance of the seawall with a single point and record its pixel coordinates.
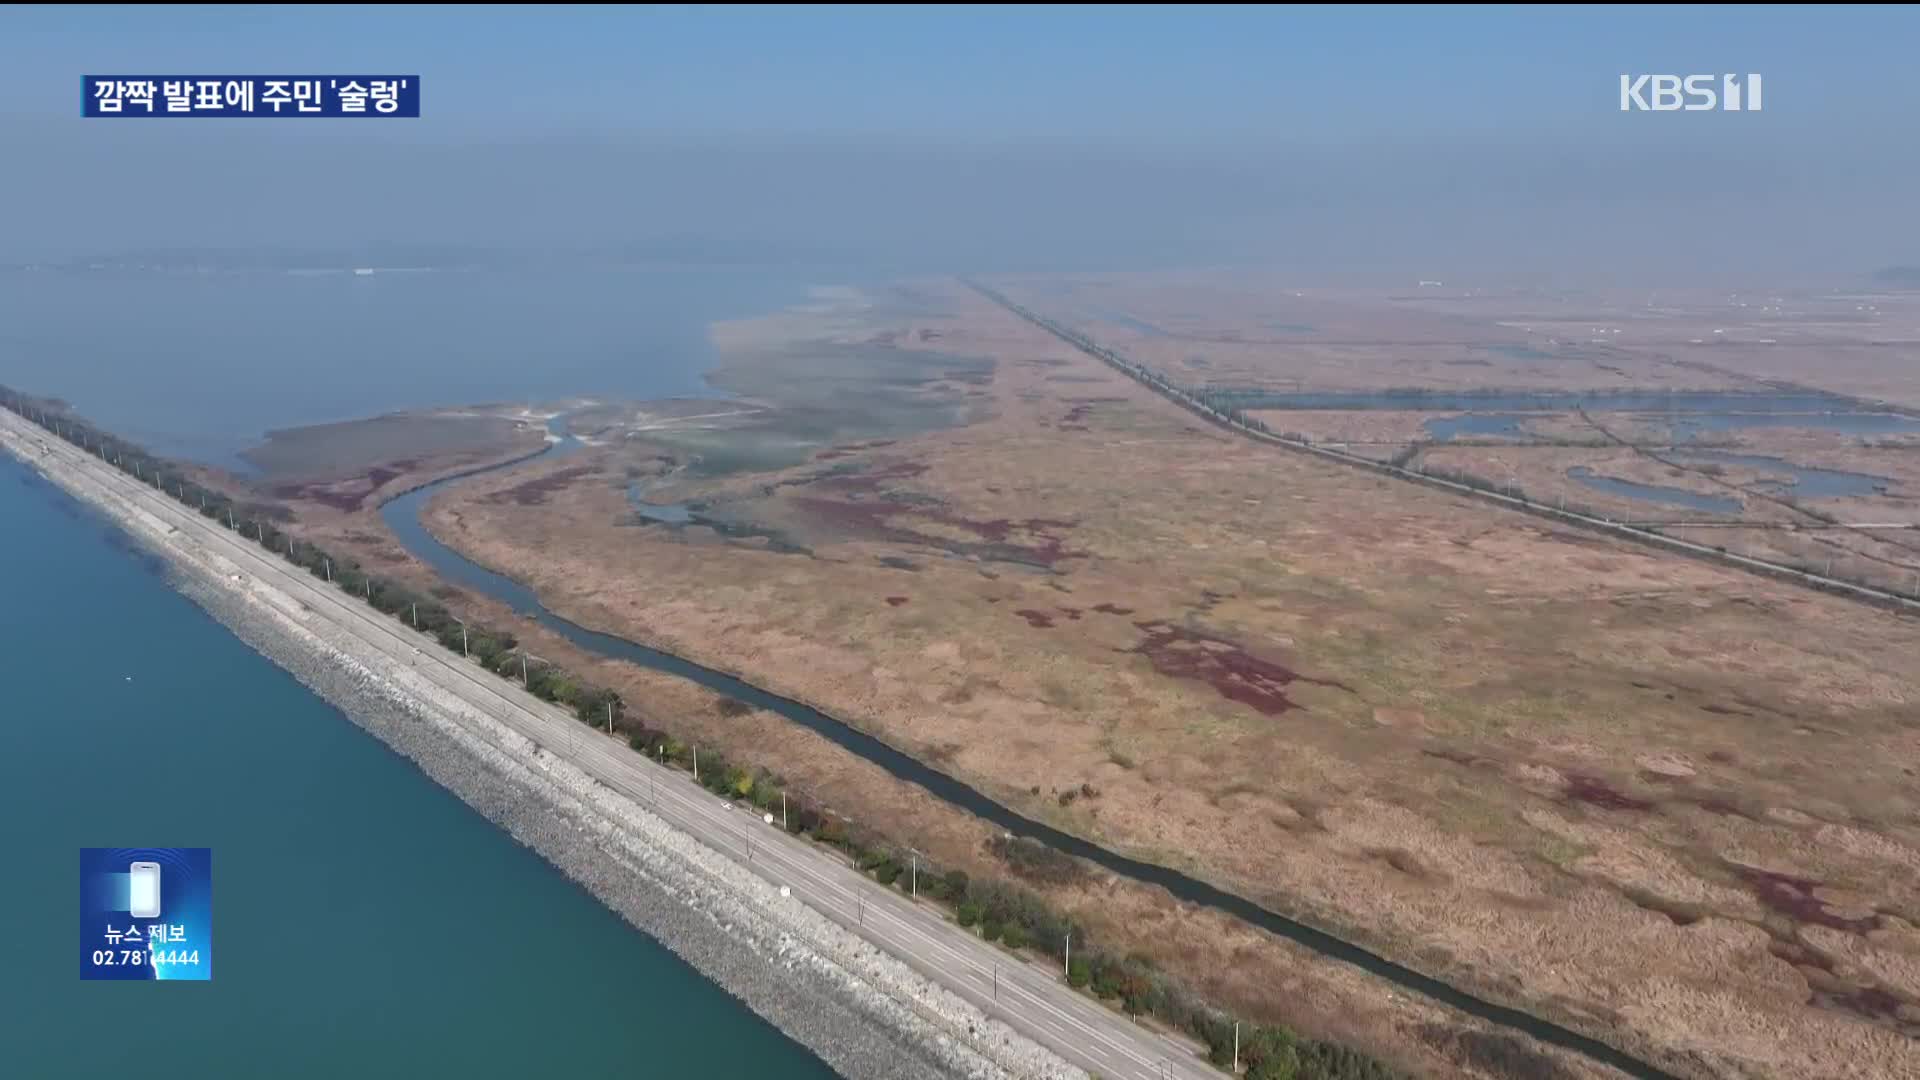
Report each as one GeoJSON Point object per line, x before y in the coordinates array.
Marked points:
{"type": "Point", "coordinates": [865, 1013]}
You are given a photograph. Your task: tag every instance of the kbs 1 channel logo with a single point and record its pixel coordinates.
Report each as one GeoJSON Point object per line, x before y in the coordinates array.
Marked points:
{"type": "Point", "coordinates": [146, 914]}
{"type": "Point", "coordinates": [1690, 93]}
{"type": "Point", "coordinates": [378, 97]}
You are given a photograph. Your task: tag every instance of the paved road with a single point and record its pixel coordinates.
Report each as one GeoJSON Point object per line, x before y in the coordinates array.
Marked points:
{"type": "Point", "coordinates": [1033, 999]}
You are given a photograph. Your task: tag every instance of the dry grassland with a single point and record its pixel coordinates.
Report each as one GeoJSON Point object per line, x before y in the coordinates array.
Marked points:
{"type": "Point", "coordinates": [1660, 800]}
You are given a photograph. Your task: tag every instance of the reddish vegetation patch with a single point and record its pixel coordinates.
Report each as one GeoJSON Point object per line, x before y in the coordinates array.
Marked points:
{"type": "Point", "coordinates": [829, 455]}
{"type": "Point", "coordinates": [1234, 673]}
{"type": "Point", "coordinates": [1039, 619]}
{"type": "Point", "coordinates": [347, 501]}
{"type": "Point", "coordinates": [1794, 897]}
{"type": "Point", "coordinates": [347, 495]}
{"type": "Point", "coordinates": [875, 517]}
{"type": "Point", "coordinates": [1597, 792]}
{"type": "Point", "coordinates": [1458, 757]}
{"type": "Point", "coordinates": [1720, 757]}
{"type": "Point", "coordinates": [1868, 1001]}
{"type": "Point", "coordinates": [1072, 613]}
{"type": "Point", "coordinates": [870, 479]}
{"type": "Point", "coordinates": [534, 492]}
{"type": "Point", "coordinates": [896, 601]}
{"type": "Point", "coordinates": [1109, 609]}
{"type": "Point", "coordinates": [1722, 710]}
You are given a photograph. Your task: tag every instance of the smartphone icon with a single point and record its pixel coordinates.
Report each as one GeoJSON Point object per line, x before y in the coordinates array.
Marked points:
{"type": "Point", "coordinates": [143, 893]}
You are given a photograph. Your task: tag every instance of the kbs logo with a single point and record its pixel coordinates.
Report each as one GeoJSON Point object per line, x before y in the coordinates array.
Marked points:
{"type": "Point", "coordinates": [1691, 93]}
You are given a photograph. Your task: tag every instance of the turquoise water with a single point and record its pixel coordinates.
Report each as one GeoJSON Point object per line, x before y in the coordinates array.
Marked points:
{"type": "Point", "coordinates": [366, 922]}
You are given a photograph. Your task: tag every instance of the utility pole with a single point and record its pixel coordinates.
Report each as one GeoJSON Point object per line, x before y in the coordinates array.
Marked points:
{"type": "Point", "coordinates": [609, 716]}
{"type": "Point", "coordinates": [415, 616]}
{"type": "Point", "coordinates": [1066, 965]}
{"type": "Point", "coordinates": [696, 763]}
{"type": "Point", "coordinates": [915, 876]}
{"type": "Point", "coordinates": [329, 563]}
{"type": "Point", "coordinates": [783, 811]}
{"type": "Point", "coordinates": [1236, 1047]}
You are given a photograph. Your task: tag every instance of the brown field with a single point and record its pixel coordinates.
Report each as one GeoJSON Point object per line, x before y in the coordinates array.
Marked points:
{"type": "Point", "coordinates": [1244, 969]}
{"type": "Point", "coordinates": [1666, 802]}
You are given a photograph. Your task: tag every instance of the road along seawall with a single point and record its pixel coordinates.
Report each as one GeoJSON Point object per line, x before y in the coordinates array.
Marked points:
{"type": "Point", "coordinates": [866, 1014]}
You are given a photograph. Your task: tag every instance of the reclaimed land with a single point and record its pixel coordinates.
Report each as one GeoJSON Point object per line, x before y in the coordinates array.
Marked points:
{"type": "Point", "coordinates": [1655, 800]}
{"type": "Point", "coordinates": [902, 391]}
{"type": "Point", "coordinates": [865, 1014]}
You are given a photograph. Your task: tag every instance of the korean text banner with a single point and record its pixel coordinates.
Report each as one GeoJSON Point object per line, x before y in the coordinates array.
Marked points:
{"type": "Point", "coordinates": [258, 96]}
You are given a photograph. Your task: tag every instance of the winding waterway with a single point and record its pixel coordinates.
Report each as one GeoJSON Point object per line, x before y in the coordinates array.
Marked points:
{"type": "Point", "coordinates": [402, 515]}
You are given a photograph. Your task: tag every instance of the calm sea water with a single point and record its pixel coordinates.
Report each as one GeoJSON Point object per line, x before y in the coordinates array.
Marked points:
{"type": "Point", "coordinates": [200, 365]}
{"type": "Point", "coordinates": [366, 922]}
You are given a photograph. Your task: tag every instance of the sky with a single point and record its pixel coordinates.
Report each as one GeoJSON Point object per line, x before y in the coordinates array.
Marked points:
{"type": "Point", "coordinates": [1370, 141]}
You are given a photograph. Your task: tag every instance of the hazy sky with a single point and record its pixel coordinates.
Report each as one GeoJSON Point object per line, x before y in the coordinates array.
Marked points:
{"type": "Point", "coordinates": [1484, 141]}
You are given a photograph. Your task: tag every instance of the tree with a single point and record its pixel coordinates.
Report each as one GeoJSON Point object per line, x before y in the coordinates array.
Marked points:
{"type": "Point", "coordinates": [967, 913]}
{"type": "Point", "coordinates": [1269, 1053]}
{"type": "Point", "coordinates": [1078, 972]}
{"type": "Point", "coordinates": [990, 930]}
{"type": "Point", "coordinates": [1013, 937]}
{"type": "Point", "coordinates": [739, 781]}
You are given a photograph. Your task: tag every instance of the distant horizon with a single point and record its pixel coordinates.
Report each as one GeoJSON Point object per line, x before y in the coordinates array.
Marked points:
{"type": "Point", "coordinates": [1345, 143]}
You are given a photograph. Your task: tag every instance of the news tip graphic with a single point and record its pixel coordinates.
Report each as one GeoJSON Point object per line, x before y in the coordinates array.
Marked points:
{"type": "Point", "coordinates": [395, 97]}
{"type": "Point", "coordinates": [146, 913]}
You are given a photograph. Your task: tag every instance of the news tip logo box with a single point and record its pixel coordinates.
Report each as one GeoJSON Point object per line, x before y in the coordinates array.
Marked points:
{"type": "Point", "coordinates": [123, 97]}
{"type": "Point", "coordinates": [1690, 93]}
{"type": "Point", "coordinates": [146, 914]}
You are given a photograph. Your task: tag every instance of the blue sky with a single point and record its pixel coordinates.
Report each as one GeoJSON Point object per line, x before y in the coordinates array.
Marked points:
{"type": "Point", "coordinates": [1377, 139]}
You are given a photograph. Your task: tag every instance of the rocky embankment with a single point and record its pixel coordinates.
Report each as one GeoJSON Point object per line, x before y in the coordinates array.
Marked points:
{"type": "Point", "coordinates": [866, 1014]}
